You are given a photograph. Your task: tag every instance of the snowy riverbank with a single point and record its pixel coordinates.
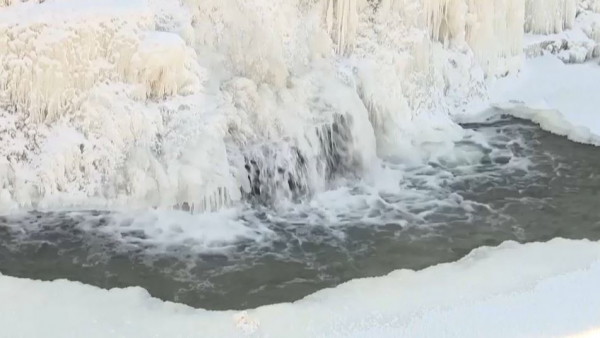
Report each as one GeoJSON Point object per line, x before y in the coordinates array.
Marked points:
{"type": "Point", "coordinates": [562, 98]}
{"type": "Point", "coordinates": [534, 290]}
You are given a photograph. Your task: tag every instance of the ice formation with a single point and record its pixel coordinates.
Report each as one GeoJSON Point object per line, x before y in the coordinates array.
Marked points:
{"type": "Point", "coordinates": [341, 19]}
{"type": "Point", "coordinates": [198, 104]}
{"type": "Point", "coordinates": [550, 16]}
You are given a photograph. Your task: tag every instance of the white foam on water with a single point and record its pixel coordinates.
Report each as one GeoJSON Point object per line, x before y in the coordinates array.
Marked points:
{"type": "Point", "coordinates": [393, 193]}
{"type": "Point", "coordinates": [156, 232]}
{"type": "Point", "coordinates": [204, 233]}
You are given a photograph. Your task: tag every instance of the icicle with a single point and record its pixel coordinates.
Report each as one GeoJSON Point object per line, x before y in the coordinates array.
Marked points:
{"type": "Point", "coordinates": [492, 28]}
{"type": "Point", "coordinates": [495, 31]}
{"type": "Point", "coordinates": [549, 16]}
{"type": "Point", "coordinates": [341, 21]}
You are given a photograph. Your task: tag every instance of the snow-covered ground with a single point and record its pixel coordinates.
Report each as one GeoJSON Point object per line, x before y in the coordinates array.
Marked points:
{"type": "Point", "coordinates": [562, 98]}
{"type": "Point", "coordinates": [534, 290]}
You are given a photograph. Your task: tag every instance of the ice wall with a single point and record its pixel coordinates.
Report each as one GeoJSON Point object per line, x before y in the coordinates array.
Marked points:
{"type": "Point", "coordinates": [201, 103]}
{"type": "Point", "coordinates": [341, 19]}
{"type": "Point", "coordinates": [479, 23]}
{"type": "Point", "coordinates": [549, 16]}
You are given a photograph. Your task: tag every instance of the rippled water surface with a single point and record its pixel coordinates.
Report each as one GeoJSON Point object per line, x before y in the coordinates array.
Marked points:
{"type": "Point", "coordinates": [507, 180]}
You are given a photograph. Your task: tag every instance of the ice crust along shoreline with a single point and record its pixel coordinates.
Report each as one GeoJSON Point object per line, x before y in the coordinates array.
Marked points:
{"type": "Point", "coordinates": [537, 289]}
{"type": "Point", "coordinates": [560, 98]}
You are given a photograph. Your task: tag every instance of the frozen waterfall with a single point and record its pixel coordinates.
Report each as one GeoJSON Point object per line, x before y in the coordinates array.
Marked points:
{"type": "Point", "coordinates": [198, 104]}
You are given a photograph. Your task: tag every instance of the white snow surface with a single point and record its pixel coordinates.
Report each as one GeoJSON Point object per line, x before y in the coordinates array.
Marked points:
{"type": "Point", "coordinates": [533, 290]}
{"type": "Point", "coordinates": [562, 98]}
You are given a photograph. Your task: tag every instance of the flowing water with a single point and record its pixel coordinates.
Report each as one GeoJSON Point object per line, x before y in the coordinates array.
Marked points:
{"type": "Point", "coordinates": [507, 180]}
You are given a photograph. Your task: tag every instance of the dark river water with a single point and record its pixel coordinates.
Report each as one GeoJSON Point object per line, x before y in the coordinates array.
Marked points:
{"type": "Point", "coordinates": [507, 180]}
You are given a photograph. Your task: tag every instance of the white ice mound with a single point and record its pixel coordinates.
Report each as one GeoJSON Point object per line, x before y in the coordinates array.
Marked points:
{"type": "Point", "coordinates": [561, 98]}
{"type": "Point", "coordinates": [536, 289]}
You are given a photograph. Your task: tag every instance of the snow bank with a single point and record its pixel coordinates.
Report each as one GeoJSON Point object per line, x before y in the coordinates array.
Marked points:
{"type": "Point", "coordinates": [561, 98]}
{"type": "Point", "coordinates": [514, 290]}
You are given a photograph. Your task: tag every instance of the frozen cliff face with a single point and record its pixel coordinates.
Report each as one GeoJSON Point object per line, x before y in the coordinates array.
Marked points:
{"type": "Point", "coordinates": [201, 103]}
